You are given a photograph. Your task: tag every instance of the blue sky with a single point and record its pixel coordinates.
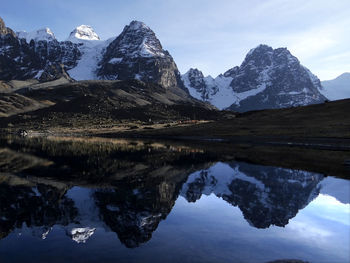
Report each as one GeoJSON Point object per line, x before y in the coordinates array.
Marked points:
{"type": "Point", "coordinates": [210, 35]}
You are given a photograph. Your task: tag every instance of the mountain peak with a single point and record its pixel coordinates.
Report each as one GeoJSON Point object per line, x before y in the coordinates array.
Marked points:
{"type": "Point", "coordinates": [138, 54]}
{"type": "Point", "coordinates": [136, 25]}
{"type": "Point", "coordinates": [338, 88]}
{"type": "Point", "coordinates": [265, 56]}
{"type": "Point", "coordinates": [267, 78]}
{"type": "Point", "coordinates": [83, 32]}
{"type": "Point", "coordinates": [5, 30]}
{"type": "Point", "coordinates": [42, 34]}
{"type": "Point", "coordinates": [262, 48]}
{"type": "Point", "coordinates": [194, 71]}
{"type": "Point", "coordinates": [344, 76]}
{"type": "Point", "coordinates": [138, 40]}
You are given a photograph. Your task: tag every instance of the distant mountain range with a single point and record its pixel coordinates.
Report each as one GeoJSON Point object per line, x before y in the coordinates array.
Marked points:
{"type": "Point", "coordinates": [267, 78]}
{"type": "Point", "coordinates": [338, 88]}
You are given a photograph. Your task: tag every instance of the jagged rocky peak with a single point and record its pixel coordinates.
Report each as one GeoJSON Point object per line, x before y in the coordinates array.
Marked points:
{"type": "Point", "coordinates": [35, 54]}
{"type": "Point", "coordinates": [138, 40]}
{"type": "Point", "coordinates": [145, 42]}
{"type": "Point", "coordinates": [274, 78]}
{"type": "Point", "coordinates": [231, 72]}
{"type": "Point", "coordinates": [43, 34]}
{"type": "Point", "coordinates": [267, 78]}
{"type": "Point", "coordinates": [260, 56]}
{"type": "Point", "coordinates": [138, 54]}
{"type": "Point", "coordinates": [195, 79]}
{"type": "Point", "coordinates": [2, 27]}
{"type": "Point", "coordinates": [264, 56]}
{"type": "Point", "coordinates": [83, 32]}
{"type": "Point", "coordinates": [5, 30]}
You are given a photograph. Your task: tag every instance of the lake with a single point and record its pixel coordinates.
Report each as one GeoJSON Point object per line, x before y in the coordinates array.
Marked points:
{"type": "Point", "coordinates": [108, 200]}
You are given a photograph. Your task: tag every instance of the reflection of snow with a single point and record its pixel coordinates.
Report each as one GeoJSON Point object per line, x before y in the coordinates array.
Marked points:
{"type": "Point", "coordinates": [44, 235]}
{"type": "Point", "coordinates": [81, 235]}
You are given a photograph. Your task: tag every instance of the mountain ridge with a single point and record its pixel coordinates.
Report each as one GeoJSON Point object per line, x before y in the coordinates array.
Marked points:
{"type": "Point", "coordinates": [338, 88]}
{"type": "Point", "coordinates": [267, 78]}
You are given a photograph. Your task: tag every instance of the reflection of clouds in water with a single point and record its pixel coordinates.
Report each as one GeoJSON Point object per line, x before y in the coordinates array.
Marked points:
{"type": "Point", "coordinates": [308, 230]}
{"type": "Point", "coordinates": [321, 224]}
{"type": "Point", "coordinates": [333, 209]}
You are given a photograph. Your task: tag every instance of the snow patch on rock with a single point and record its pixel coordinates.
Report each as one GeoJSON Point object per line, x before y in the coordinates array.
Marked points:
{"type": "Point", "coordinates": [43, 34]}
{"type": "Point", "coordinates": [82, 234]}
{"type": "Point", "coordinates": [87, 65]}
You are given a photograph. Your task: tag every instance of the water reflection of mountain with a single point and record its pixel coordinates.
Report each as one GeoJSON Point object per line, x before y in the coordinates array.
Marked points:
{"type": "Point", "coordinates": [135, 209]}
{"type": "Point", "coordinates": [124, 187]}
{"type": "Point", "coordinates": [266, 195]}
{"type": "Point", "coordinates": [129, 190]}
{"type": "Point", "coordinates": [39, 207]}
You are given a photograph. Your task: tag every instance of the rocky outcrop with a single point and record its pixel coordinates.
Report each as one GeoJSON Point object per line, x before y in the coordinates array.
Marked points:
{"type": "Point", "coordinates": [54, 71]}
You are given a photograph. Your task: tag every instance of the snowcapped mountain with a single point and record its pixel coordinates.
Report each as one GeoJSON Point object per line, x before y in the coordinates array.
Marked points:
{"type": "Point", "coordinates": [338, 88]}
{"type": "Point", "coordinates": [138, 54]}
{"type": "Point", "coordinates": [215, 91]}
{"type": "Point", "coordinates": [83, 32]}
{"type": "Point", "coordinates": [135, 54]}
{"type": "Point", "coordinates": [30, 55]}
{"type": "Point", "coordinates": [44, 34]}
{"type": "Point", "coordinates": [267, 78]}
{"type": "Point", "coordinates": [91, 48]}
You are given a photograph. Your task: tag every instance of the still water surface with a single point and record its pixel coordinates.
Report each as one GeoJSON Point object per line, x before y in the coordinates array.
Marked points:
{"type": "Point", "coordinates": [68, 202]}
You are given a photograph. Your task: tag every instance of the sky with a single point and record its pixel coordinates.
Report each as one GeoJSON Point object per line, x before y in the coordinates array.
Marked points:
{"type": "Point", "coordinates": [212, 36]}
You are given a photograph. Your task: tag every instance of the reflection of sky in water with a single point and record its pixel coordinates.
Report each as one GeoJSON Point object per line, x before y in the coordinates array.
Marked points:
{"type": "Point", "coordinates": [319, 232]}
{"type": "Point", "coordinates": [210, 229]}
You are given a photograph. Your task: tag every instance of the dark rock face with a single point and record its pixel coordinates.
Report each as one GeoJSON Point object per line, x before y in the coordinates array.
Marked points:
{"type": "Point", "coordinates": [281, 78]}
{"type": "Point", "coordinates": [54, 71]}
{"type": "Point", "coordinates": [197, 81]}
{"type": "Point", "coordinates": [231, 72]}
{"type": "Point", "coordinates": [65, 53]}
{"type": "Point", "coordinates": [135, 212]}
{"type": "Point", "coordinates": [137, 54]}
{"type": "Point", "coordinates": [268, 78]}
{"type": "Point", "coordinates": [21, 60]}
